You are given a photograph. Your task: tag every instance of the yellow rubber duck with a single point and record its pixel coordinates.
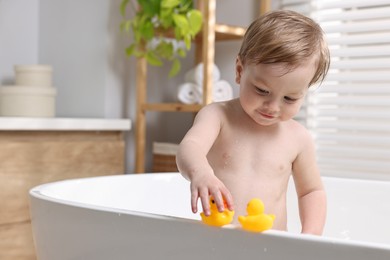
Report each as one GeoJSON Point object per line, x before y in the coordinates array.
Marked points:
{"type": "Point", "coordinates": [217, 218]}
{"type": "Point", "coordinates": [256, 220]}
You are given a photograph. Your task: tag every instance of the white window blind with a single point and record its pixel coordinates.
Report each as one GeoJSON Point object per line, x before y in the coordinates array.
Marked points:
{"type": "Point", "coordinates": [349, 114]}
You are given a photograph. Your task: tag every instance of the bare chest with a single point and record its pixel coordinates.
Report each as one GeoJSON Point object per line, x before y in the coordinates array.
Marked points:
{"type": "Point", "coordinates": [253, 152]}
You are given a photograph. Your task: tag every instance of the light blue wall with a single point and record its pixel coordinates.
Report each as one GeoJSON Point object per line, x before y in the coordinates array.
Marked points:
{"type": "Point", "coordinates": [73, 39]}
{"type": "Point", "coordinates": [19, 33]}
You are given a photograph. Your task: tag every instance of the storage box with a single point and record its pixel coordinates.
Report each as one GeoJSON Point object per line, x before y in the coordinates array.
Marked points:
{"type": "Point", "coordinates": [164, 157]}
{"type": "Point", "coordinates": [33, 75]}
{"type": "Point", "coordinates": [27, 101]}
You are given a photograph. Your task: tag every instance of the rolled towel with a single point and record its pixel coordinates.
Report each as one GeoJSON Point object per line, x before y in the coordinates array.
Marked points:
{"type": "Point", "coordinates": [195, 75]}
{"type": "Point", "coordinates": [189, 93]}
{"type": "Point", "coordinates": [222, 91]}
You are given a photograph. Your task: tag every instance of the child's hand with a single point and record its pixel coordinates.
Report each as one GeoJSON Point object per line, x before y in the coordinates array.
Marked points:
{"type": "Point", "coordinates": [208, 185]}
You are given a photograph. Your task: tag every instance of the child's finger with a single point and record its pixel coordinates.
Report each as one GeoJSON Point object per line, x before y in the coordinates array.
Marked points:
{"type": "Point", "coordinates": [204, 198]}
{"type": "Point", "coordinates": [194, 201]}
{"type": "Point", "coordinates": [219, 201]}
{"type": "Point", "coordinates": [229, 200]}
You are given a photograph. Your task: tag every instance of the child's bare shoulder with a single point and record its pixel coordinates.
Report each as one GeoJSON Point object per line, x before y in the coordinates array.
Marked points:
{"type": "Point", "coordinates": [298, 130]}
{"type": "Point", "coordinates": [299, 136]}
{"type": "Point", "coordinates": [219, 108]}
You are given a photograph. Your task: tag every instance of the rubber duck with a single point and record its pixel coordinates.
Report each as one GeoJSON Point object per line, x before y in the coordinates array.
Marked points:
{"type": "Point", "coordinates": [256, 220]}
{"type": "Point", "coordinates": [217, 218]}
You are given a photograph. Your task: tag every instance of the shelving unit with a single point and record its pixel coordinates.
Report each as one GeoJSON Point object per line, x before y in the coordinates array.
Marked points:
{"type": "Point", "coordinates": [204, 52]}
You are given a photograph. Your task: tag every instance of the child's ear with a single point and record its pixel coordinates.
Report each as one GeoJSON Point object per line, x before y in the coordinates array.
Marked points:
{"type": "Point", "coordinates": [239, 69]}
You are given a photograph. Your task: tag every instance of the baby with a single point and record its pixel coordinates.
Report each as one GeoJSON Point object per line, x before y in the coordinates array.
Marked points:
{"type": "Point", "coordinates": [250, 146]}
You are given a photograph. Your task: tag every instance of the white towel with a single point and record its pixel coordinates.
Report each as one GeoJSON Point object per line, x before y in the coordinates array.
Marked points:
{"type": "Point", "coordinates": [195, 75]}
{"type": "Point", "coordinates": [222, 91]}
{"type": "Point", "coordinates": [189, 93]}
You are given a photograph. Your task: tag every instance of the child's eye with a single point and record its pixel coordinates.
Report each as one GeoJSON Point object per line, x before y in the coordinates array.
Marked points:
{"type": "Point", "coordinates": [262, 91]}
{"type": "Point", "coordinates": [289, 99]}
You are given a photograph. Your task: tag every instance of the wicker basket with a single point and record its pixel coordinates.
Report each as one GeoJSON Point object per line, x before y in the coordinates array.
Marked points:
{"type": "Point", "coordinates": [164, 157]}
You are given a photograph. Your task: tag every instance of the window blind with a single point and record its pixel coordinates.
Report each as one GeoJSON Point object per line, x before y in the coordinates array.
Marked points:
{"type": "Point", "coordinates": [349, 114]}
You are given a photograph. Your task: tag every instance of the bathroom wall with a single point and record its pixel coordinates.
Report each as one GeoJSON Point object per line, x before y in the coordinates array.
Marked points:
{"type": "Point", "coordinates": [19, 33]}
{"type": "Point", "coordinates": [93, 77]}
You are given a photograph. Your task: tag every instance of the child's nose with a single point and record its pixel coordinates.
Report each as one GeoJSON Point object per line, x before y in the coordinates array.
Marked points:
{"type": "Point", "coordinates": [272, 105]}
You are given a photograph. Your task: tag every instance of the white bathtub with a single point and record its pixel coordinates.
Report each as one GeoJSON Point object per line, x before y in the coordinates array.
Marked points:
{"type": "Point", "coordinates": [148, 217]}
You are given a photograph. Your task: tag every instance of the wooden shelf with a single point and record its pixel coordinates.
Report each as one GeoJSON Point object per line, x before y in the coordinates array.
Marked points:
{"type": "Point", "coordinates": [228, 32]}
{"type": "Point", "coordinates": [171, 107]}
{"type": "Point", "coordinates": [224, 32]}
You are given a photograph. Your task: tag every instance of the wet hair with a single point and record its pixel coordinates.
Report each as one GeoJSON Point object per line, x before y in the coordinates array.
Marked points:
{"type": "Point", "coordinates": [285, 36]}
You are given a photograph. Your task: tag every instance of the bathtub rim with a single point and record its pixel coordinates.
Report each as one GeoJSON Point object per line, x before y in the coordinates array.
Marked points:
{"type": "Point", "coordinates": [270, 233]}
{"type": "Point", "coordinates": [36, 193]}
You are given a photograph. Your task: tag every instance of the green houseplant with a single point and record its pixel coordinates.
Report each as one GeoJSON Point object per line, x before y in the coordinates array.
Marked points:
{"type": "Point", "coordinates": [161, 29]}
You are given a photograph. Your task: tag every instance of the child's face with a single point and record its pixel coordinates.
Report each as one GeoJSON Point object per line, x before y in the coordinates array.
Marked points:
{"type": "Point", "coordinates": [271, 93]}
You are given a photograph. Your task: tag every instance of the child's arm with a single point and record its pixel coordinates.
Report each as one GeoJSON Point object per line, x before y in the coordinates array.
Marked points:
{"type": "Point", "coordinates": [312, 210]}
{"type": "Point", "coordinates": [193, 164]}
{"type": "Point", "coordinates": [310, 190]}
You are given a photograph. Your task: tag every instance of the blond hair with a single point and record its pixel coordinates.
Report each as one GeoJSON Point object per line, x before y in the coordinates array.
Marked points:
{"type": "Point", "coordinates": [286, 37]}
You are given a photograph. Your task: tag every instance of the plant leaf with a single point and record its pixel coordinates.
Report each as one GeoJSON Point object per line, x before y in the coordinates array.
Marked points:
{"type": "Point", "coordinates": [182, 53]}
{"type": "Point", "coordinates": [181, 22]}
{"type": "Point", "coordinates": [165, 50]}
{"type": "Point", "coordinates": [130, 50]}
{"type": "Point", "coordinates": [139, 54]}
{"type": "Point", "coordinates": [122, 7]}
{"type": "Point", "coordinates": [187, 41]}
{"type": "Point", "coordinates": [125, 26]}
{"type": "Point", "coordinates": [178, 34]}
{"type": "Point", "coordinates": [195, 21]}
{"type": "Point", "coordinates": [150, 7]}
{"type": "Point", "coordinates": [166, 17]}
{"type": "Point", "coordinates": [153, 59]}
{"type": "Point", "coordinates": [169, 3]}
{"type": "Point", "coordinates": [185, 6]}
{"type": "Point", "coordinates": [147, 30]}
{"type": "Point", "coordinates": [176, 66]}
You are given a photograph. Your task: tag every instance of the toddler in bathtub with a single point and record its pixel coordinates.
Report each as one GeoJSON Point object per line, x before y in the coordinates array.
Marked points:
{"type": "Point", "coordinates": [248, 147]}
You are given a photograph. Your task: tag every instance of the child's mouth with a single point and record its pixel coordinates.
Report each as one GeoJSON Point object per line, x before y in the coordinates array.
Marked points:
{"type": "Point", "coordinates": [265, 115]}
